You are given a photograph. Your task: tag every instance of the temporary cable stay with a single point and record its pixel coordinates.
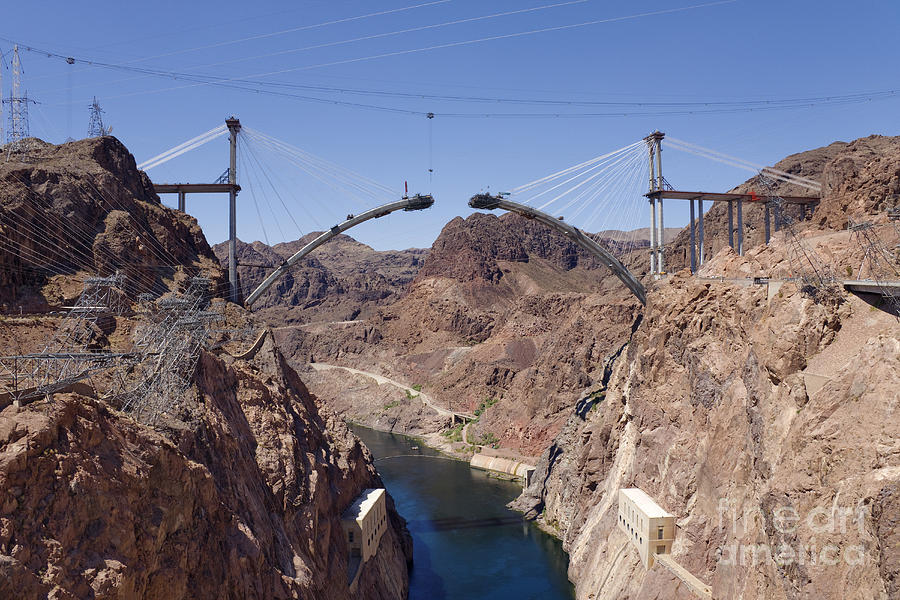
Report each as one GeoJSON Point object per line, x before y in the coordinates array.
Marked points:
{"type": "Point", "coordinates": [187, 146]}
{"type": "Point", "coordinates": [604, 188]}
{"type": "Point", "coordinates": [334, 180]}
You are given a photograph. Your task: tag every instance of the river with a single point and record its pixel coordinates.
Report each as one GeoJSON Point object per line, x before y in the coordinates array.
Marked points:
{"type": "Point", "coordinates": [467, 544]}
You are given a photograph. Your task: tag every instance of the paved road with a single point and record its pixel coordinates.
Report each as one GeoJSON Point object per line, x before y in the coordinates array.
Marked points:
{"type": "Point", "coordinates": [380, 379]}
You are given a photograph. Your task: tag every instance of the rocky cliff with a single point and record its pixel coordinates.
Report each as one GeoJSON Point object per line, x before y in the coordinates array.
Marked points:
{"type": "Point", "coordinates": [764, 420]}
{"type": "Point", "coordinates": [83, 208]}
{"type": "Point", "coordinates": [235, 492]}
{"type": "Point", "coordinates": [242, 499]}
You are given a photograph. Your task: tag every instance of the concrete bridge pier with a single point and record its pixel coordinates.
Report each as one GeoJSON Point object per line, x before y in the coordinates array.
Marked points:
{"type": "Point", "coordinates": [693, 240]}
{"type": "Point", "coordinates": [731, 224]}
{"type": "Point", "coordinates": [657, 226]}
{"type": "Point", "coordinates": [700, 227]}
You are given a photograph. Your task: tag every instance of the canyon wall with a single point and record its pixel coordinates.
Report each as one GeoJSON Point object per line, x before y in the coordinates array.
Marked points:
{"type": "Point", "coordinates": [235, 492]}
{"type": "Point", "coordinates": [764, 419]}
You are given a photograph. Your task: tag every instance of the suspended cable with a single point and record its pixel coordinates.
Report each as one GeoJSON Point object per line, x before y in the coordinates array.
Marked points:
{"type": "Point", "coordinates": [756, 167]}
{"type": "Point", "coordinates": [226, 81]}
{"type": "Point", "coordinates": [742, 165]}
{"type": "Point", "coordinates": [531, 184]}
{"type": "Point", "coordinates": [180, 149]}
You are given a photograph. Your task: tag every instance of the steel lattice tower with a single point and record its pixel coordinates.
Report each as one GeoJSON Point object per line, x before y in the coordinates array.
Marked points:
{"type": "Point", "coordinates": [96, 128]}
{"type": "Point", "coordinates": [18, 104]}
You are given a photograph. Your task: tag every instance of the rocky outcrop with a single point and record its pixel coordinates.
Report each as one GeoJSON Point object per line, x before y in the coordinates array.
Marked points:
{"type": "Point", "coordinates": [83, 207]}
{"type": "Point", "coordinates": [239, 497]}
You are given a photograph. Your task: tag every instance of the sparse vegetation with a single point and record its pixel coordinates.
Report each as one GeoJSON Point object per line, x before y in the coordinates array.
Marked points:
{"type": "Point", "coordinates": [454, 434]}
{"type": "Point", "coordinates": [849, 271]}
{"type": "Point", "coordinates": [391, 405]}
{"type": "Point", "coordinates": [489, 439]}
{"type": "Point", "coordinates": [417, 387]}
{"type": "Point", "coordinates": [410, 395]}
{"type": "Point", "coordinates": [485, 404]}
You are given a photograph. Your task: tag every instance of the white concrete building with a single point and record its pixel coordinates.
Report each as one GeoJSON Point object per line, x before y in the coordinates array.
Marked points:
{"type": "Point", "coordinates": [364, 522]}
{"type": "Point", "coordinates": [650, 528]}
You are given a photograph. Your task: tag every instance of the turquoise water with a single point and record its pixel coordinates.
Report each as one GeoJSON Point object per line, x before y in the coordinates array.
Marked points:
{"type": "Point", "coordinates": [467, 544]}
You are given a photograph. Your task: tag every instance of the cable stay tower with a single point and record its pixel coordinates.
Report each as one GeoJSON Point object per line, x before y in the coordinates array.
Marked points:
{"type": "Point", "coordinates": [263, 177]}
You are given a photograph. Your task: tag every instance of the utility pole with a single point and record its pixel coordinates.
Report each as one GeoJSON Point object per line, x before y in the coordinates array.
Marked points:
{"type": "Point", "coordinates": [234, 126]}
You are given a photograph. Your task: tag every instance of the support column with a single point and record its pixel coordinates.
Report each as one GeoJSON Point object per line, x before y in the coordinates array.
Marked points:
{"type": "Point", "coordinates": [777, 216]}
{"type": "Point", "coordinates": [652, 236]}
{"type": "Point", "coordinates": [740, 227]}
{"type": "Point", "coordinates": [661, 236]}
{"type": "Point", "coordinates": [234, 126]}
{"type": "Point", "coordinates": [660, 239]}
{"type": "Point", "coordinates": [181, 201]}
{"type": "Point", "coordinates": [693, 241]}
{"type": "Point", "coordinates": [652, 171]}
{"type": "Point", "coordinates": [768, 225]}
{"type": "Point", "coordinates": [700, 227]}
{"type": "Point", "coordinates": [731, 224]}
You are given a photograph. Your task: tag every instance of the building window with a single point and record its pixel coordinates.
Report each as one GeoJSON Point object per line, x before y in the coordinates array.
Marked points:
{"type": "Point", "coordinates": [350, 536]}
{"type": "Point", "coordinates": [660, 549]}
{"type": "Point", "coordinates": [659, 533]}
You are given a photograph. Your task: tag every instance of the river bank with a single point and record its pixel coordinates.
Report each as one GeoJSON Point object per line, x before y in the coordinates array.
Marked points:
{"type": "Point", "coordinates": [467, 543]}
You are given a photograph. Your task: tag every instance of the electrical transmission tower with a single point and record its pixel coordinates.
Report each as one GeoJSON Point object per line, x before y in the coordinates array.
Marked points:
{"type": "Point", "coordinates": [95, 127]}
{"type": "Point", "coordinates": [18, 107]}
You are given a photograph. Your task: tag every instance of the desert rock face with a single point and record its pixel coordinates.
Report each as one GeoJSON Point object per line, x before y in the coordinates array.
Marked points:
{"type": "Point", "coordinates": [236, 492]}
{"type": "Point", "coordinates": [66, 212]}
{"type": "Point", "coordinates": [242, 500]}
{"type": "Point", "coordinates": [765, 422]}
{"type": "Point", "coordinates": [711, 410]}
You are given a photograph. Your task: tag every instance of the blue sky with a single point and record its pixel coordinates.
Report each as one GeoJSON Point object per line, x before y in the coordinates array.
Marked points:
{"type": "Point", "coordinates": [735, 51]}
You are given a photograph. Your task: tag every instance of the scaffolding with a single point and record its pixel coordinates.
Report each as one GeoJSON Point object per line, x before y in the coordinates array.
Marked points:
{"type": "Point", "coordinates": [71, 355]}
{"type": "Point", "coordinates": [175, 332]}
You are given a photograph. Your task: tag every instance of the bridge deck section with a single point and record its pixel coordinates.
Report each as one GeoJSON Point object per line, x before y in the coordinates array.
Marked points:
{"type": "Point", "coordinates": [724, 197]}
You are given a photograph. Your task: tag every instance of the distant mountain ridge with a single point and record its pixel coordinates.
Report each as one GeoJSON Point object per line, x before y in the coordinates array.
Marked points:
{"type": "Point", "coordinates": [343, 280]}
